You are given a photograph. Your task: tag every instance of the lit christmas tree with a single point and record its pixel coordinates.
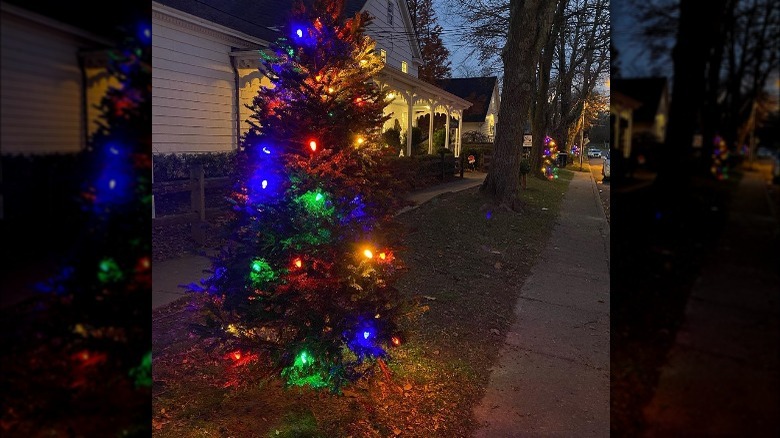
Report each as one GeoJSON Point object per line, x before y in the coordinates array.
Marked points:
{"type": "Point", "coordinates": [720, 157]}
{"type": "Point", "coordinates": [550, 159]}
{"type": "Point", "coordinates": [105, 288]}
{"type": "Point", "coordinates": [309, 275]}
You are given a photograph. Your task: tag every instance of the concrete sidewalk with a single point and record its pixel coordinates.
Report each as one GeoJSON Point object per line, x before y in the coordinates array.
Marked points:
{"type": "Point", "coordinates": [552, 376]}
{"type": "Point", "coordinates": [721, 376]}
{"type": "Point", "coordinates": [168, 275]}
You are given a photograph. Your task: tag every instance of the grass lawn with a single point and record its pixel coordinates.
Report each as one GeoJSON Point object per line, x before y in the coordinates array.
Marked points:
{"type": "Point", "coordinates": [465, 260]}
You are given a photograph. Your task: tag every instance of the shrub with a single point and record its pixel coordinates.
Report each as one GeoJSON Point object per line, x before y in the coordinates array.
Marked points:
{"type": "Point", "coordinates": [525, 166]}
{"type": "Point", "coordinates": [392, 141]}
{"type": "Point", "coordinates": [439, 136]}
{"type": "Point", "coordinates": [474, 137]}
{"type": "Point", "coordinates": [172, 166]}
{"type": "Point", "coordinates": [417, 149]}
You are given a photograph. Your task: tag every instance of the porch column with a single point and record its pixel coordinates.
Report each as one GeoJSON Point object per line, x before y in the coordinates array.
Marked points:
{"type": "Point", "coordinates": [409, 118]}
{"type": "Point", "coordinates": [460, 131]}
{"type": "Point", "coordinates": [430, 127]}
{"type": "Point", "coordinates": [629, 133]}
{"type": "Point", "coordinates": [447, 129]}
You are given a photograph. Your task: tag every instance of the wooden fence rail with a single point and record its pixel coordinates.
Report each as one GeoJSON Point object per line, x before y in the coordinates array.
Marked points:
{"type": "Point", "coordinates": [197, 212]}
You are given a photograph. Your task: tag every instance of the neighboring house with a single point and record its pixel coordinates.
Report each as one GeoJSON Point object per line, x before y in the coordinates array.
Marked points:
{"type": "Point", "coordinates": [483, 94]}
{"type": "Point", "coordinates": [650, 119]}
{"type": "Point", "coordinates": [206, 69]}
{"type": "Point", "coordinates": [53, 74]}
{"type": "Point", "coordinates": [621, 116]}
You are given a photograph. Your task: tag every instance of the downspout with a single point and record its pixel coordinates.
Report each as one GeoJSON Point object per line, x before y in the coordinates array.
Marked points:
{"type": "Point", "coordinates": [237, 102]}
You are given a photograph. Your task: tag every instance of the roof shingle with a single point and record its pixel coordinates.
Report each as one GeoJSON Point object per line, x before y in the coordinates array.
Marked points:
{"type": "Point", "coordinates": [260, 19]}
{"type": "Point", "coordinates": [648, 91]}
{"type": "Point", "coordinates": [477, 90]}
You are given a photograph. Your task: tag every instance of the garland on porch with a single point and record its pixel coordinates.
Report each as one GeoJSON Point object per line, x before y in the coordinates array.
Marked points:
{"type": "Point", "coordinates": [309, 277]}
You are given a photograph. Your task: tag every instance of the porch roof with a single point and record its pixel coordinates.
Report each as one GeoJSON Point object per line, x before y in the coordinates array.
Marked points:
{"type": "Point", "coordinates": [420, 89]}
{"type": "Point", "coordinates": [478, 91]}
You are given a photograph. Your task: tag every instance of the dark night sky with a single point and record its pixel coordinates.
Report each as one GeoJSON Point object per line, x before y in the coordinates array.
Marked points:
{"type": "Point", "coordinates": [632, 59]}
{"type": "Point", "coordinates": [97, 16]}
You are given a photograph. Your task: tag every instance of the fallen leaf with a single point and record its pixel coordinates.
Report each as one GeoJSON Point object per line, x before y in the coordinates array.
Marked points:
{"type": "Point", "coordinates": [498, 265]}
{"type": "Point", "coordinates": [428, 297]}
{"type": "Point", "coordinates": [397, 431]}
{"type": "Point", "coordinates": [408, 387]}
{"type": "Point", "coordinates": [495, 331]}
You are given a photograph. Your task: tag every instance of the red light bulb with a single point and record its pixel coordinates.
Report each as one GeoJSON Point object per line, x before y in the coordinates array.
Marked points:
{"type": "Point", "coordinates": [313, 145]}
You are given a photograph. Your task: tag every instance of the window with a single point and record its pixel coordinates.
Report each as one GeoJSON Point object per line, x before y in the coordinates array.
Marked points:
{"type": "Point", "coordinates": [404, 67]}
{"type": "Point", "coordinates": [383, 55]}
{"type": "Point", "coordinates": [390, 12]}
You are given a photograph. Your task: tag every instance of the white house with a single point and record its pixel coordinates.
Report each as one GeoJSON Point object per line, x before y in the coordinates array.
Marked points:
{"type": "Point", "coordinates": [206, 61]}
{"type": "Point", "coordinates": [53, 74]}
{"type": "Point", "coordinates": [483, 94]}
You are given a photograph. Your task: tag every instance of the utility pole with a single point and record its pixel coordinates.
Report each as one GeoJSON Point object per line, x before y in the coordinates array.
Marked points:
{"type": "Point", "coordinates": [582, 134]}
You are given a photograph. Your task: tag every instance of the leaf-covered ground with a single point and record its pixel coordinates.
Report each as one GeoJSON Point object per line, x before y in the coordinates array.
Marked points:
{"type": "Point", "coordinates": [54, 382]}
{"type": "Point", "coordinates": [465, 260]}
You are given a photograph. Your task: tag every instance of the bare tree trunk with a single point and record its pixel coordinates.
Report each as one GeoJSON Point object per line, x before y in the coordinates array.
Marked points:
{"type": "Point", "coordinates": [529, 27]}
{"type": "Point", "coordinates": [690, 55]}
{"type": "Point", "coordinates": [540, 119]}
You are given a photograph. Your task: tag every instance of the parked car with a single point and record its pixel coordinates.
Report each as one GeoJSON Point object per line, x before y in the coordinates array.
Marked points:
{"type": "Point", "coordinates": [605, 168]}
{"type": "Point", "coordinates": [594, 153]}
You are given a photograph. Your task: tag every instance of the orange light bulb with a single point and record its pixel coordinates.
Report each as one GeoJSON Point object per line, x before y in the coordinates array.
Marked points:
{"type": "Point", "coordinates": [368, 253]}
{"type": "Point", "coordinates": [313, 145]}
{"type": "Point", "coordinates": [395, 340]}
{"type": "Point", "coordinates": [382, 255]}
{"type": "Point", "coordinates": [298, 263]}
{"type": "Point", "coordinates": [237, 355]}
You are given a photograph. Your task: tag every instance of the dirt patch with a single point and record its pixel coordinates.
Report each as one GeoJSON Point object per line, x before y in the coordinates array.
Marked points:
{"type": "Point", "coordinates": [57, 385]}
{"type": "Point", "coordinates": [465, 260]}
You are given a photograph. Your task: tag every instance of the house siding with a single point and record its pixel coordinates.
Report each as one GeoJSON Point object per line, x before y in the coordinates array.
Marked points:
{"type": "Point", "coordinates": [395, 39]}
{"type": "Point", "coordinates": [193, 94]}
{"type": "Point", "coordinates": [41, 89]}
{"type": "Point", "coordinates": [98, 82]}
{"type": "Point", "coordinates": [251, 79]}
{"type": "Point", "coordinates": [492, 112]}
